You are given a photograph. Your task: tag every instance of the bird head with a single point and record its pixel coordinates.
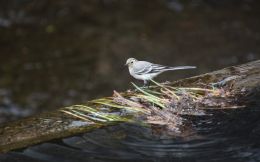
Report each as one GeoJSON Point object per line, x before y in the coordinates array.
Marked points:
{"type": "Point", "coordinates": [130, 62]}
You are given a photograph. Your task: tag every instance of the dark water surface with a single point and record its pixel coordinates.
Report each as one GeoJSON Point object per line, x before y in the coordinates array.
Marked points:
{"type": "Point", "coordinates": [58, 53]}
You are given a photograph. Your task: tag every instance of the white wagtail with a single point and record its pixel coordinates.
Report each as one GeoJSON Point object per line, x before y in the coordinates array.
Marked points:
{"type": "Point", "coordinates": [146, 71]}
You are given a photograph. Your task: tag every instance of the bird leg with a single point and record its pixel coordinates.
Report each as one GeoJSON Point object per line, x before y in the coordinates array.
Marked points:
{"type": "Point", "coordinates": [146, 83]}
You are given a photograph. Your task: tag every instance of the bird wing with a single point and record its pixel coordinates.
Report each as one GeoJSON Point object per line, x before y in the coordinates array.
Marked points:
{"type": "Point", "coordinates": [142, 67]}
{"type": "Point", "coordinates": [156, 68]}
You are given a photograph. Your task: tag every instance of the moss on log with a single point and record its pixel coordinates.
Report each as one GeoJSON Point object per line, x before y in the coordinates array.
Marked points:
{"type": "Point", "coordinates": [244, 77]}
{"type": "Point", "coordinates": [39, 128]}
{"type": "Point", "coordinates": [53, 125]}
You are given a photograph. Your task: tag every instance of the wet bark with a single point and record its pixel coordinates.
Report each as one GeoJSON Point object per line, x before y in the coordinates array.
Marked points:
{"type": "Point", "coordinates": [52, 125]}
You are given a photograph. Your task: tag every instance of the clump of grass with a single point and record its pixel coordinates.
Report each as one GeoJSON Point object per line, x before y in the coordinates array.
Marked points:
{"type": "Point", "coordinates": [161, 104]}
{"type": "Point", "coordinates": [181, 97]}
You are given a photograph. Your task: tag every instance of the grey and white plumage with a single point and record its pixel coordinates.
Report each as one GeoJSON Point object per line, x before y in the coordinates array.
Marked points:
{"type": "Point", "coordinates": [146, 71]}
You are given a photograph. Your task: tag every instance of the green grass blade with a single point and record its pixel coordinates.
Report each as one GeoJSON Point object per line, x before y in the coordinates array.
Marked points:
{"type": "Point", "coordinates": [144, 92]}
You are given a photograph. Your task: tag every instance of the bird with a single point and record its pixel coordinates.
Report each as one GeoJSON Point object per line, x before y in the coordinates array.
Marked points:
{"type": "Point", "coordinates": [144, 70]}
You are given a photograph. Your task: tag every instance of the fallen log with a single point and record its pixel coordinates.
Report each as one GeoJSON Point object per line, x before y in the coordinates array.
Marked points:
{"type": "Point", "coordinates": [53, 125]}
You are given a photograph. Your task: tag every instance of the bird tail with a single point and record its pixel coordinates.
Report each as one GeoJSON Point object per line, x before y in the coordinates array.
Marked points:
{"type": "Point", "coordinates": [181, 67]}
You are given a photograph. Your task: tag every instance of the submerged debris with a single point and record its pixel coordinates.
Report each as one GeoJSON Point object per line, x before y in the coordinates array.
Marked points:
{"type": "Point", "coordinates": [160, 105]}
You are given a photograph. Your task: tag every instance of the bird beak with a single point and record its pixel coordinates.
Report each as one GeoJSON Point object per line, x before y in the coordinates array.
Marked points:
{"type": "Point", "coordinates": [126, 64]}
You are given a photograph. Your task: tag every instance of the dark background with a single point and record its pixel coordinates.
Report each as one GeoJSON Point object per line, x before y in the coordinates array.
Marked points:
{"type": "Point", "coordinates": [58, 53]}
